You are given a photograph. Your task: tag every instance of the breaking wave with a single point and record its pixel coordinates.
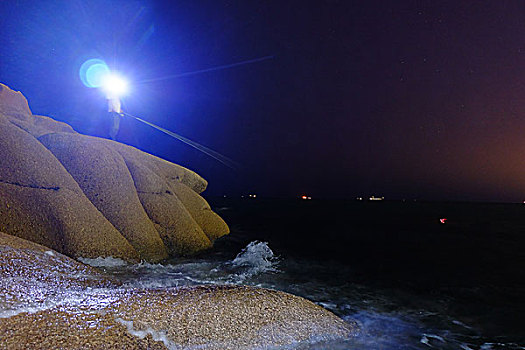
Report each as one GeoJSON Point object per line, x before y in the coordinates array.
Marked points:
{"type": "Point", "coordinates": [382, 322]}
{"type": "Point", "coordinates": [252, 265]}
{"type": "Point", "coordinates": [256, 258]}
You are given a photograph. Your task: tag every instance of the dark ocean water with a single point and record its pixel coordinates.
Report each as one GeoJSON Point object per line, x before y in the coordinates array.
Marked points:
{"type": "Point", "coordinates": [410, 281]}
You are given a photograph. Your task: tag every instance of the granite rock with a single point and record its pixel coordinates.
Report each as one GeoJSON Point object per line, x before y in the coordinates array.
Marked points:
{"type": "Point", "coordinates": [48, 300]}
{"type": "Point", "coordinates": [89, 197]}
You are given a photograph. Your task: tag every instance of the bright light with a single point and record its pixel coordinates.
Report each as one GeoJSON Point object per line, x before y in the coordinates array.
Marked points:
{"type": "Point", "coordinates": [114, 85]}
{"type": "Point", "coordinates": [95, 73]}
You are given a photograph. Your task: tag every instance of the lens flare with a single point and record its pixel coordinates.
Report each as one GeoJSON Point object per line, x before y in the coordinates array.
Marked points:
{"type": "Point", "coordinates": [92, 72]}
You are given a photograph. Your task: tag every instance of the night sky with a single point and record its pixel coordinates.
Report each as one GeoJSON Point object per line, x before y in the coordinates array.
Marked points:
{"type": "Point", "coordinates": [402, 99]}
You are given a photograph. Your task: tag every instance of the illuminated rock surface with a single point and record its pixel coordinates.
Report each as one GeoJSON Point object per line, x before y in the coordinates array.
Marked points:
{"type": "Point", "coordinates": [90, 197]}
{"type": "Point", "coordinates": [48, 300]}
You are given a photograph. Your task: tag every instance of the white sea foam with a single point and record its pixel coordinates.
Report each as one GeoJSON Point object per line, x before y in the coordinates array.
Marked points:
{"type": "Point", "coordinates": [253, 261]}
{"type": "Point", "coordinates": [461, 324]}
{"type": "Point", "coordinates": [104, 262]}
{"type": "Point", "coordinates": [152, 267]}
{"type": "Point", "coordinates": [64, 298]}
{"type": "Point", "coordinates": [490, 346]}
{"type": "Point", "coordinates": [49, 252]}
{"type": "Point", "coordinates": [156, 335]}
{"type": "Point", "coordinates": [380, 330]}
{"type": "Point", "coordinates": [329, 306]}
{"type": "Point", "coordinates": [26, 309]}
{"type": "Point", "coordinates": [426, 339]}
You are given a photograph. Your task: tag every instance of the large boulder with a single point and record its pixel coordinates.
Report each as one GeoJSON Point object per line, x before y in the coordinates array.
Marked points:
{"type": "Point", "coordinates": [89, 197]}
{"type": "Point", "coordinates": [41, 202]}
{"type": "Point", "coordinates": [48, 301]}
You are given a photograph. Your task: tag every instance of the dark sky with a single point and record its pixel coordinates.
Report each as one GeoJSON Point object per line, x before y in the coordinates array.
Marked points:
{"type": "Point", "coordinates": [406, 99]}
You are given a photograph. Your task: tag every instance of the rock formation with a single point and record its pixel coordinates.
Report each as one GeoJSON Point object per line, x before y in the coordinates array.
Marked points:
{"type": "Point", "coordinates": [48, 301]}
{"type": "Point", "coordinates": [88, 197]}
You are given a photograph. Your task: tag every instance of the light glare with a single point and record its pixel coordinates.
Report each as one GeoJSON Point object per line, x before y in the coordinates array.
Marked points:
{"type": "Point", "coordinates": [114, 85]}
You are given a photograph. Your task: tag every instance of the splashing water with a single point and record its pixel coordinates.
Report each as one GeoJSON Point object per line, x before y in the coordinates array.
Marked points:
{"type": "Point", "coordinates": [256, 258]}
{"type": "Point", "coordinates": [385, 321]}
{"type": "Point", "coordinates": [250, 266]}
{"type": "Point", "coordinates": [104, 262]}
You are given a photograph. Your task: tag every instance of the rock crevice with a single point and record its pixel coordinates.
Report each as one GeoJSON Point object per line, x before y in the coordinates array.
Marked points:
{"type": "Point", "coordinates": [56, 188]}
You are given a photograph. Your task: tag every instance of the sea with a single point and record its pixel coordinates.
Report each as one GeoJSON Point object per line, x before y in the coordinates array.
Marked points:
{"type": "Point", "coordinates": [412, 274]}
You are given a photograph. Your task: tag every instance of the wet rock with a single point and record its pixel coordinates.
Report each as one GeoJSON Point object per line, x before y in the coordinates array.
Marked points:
{"type": "Point", "coordinates": [48, 300]}
{"type": "Point", "coordinates": [228, 317]}
{"type": "Point", "coordinates": [90, 197]}
{"type": "Point", "coordinates": [57, 329]}
{"type": "Point", "coordinates": [34, 277]}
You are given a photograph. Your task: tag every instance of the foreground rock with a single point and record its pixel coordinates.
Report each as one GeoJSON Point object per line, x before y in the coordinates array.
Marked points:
{"type": "Point", "coordinates": [88, 197]}
{"type": "Point", "coordinates": [50, 301]}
